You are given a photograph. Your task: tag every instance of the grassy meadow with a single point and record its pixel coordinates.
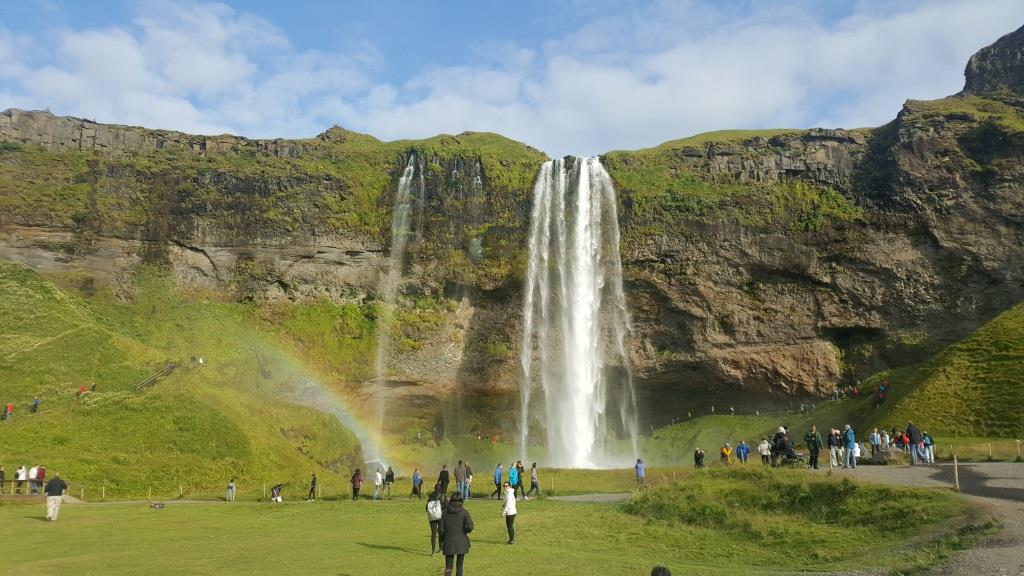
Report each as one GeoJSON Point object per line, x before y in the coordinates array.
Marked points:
{"type": "Point", "coordinates": [711, 522]}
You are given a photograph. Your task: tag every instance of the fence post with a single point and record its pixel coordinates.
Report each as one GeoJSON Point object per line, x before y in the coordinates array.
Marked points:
{"type": "Point", "coordinates": [103, 493]}
{"type": "Point", "coordinates": [150, 493]}
{"type": "Point", "coordinates": [264, 491]}
{"type": "Point", "coordinates": [181, 491]}
{"type": "Point", "coordinates": [989, 450]}
{"type": "Point", "coordinates": [1018, 450]}
{"type": "Point", "coordinates": [956, 473]}
{"type": "Point", "coordinates": [81, 494]}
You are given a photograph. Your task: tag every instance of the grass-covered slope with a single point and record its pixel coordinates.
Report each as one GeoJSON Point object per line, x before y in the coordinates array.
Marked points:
{"type": "Point", "coordinates": [197, 427]}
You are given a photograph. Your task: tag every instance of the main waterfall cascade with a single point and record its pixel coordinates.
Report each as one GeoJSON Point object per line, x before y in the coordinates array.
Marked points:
{"type": "Point", "coordinates": [575, 318]}
{"type": "Point", "coordinates": [409, 201]}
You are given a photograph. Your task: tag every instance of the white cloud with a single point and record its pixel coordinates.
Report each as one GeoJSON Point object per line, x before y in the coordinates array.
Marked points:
{"type": "Point", "coordinates": [628, 77]}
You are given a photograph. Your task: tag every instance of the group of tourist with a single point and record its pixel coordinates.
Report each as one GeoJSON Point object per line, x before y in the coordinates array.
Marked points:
{"type": "Point", "coordinates": [7, 410]}
{"type": "Point", "coordinates": [35, 478]}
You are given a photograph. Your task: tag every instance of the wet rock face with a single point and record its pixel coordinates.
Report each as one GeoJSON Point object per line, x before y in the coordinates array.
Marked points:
{"type": "Point", "coordinates": [999, 67]}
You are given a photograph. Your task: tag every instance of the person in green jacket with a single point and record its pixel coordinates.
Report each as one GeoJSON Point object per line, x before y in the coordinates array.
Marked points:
{"type": "Point", "coordinates": [814, 444]}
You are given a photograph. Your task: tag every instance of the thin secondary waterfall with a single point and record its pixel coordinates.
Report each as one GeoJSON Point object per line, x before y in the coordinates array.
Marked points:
{"type": "Point", "coordinates": [409, 203]}
{"type": "Point", "coordinates": [575, 319]}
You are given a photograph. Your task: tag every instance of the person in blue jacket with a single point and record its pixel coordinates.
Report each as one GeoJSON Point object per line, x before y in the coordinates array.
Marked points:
{"type": "Point", "coordinates": [851, 446]}
{"type": "Point", "coordinates": [497, 482]}
{"type": "Point", "coordinates": [513, 474]}
{"type": "Point", "coordinates": [641, 473]}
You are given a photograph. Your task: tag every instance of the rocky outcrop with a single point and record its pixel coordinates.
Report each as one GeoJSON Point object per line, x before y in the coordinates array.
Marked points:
{"type": "Point", "coordinates": [999, 67]}
{"type": "Point", "coordinates": [63, 133]}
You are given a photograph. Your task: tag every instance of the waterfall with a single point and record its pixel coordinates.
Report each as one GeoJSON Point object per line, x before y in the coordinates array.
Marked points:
{"type": "Point", "coordinates": [575, 319]}
{"type": "Point", "coordinates": [409, 196]}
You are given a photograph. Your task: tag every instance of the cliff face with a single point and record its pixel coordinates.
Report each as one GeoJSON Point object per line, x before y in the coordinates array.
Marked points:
{"type": "Point", "coordinates": [779, 262]}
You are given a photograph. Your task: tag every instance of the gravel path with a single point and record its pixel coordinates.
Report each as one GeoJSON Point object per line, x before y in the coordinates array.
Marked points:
{"type": "Point", "coordinates": [611, 498]}
{"type": "Point", "coordinates": [997, 488]}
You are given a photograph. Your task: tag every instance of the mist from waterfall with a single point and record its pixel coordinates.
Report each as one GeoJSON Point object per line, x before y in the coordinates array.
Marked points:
{"type": "Point", "coordinates": [575, 319]}
{"type": "Point", "coordinates": [406, 224]}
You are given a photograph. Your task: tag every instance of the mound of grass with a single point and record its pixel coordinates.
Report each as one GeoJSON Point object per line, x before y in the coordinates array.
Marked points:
{"type": "Point", "coordinates": [787, 510]}
{"type": "Point", "coordinates": [676, 443]}
{"type": "Point", "coordinates": [196, 428]}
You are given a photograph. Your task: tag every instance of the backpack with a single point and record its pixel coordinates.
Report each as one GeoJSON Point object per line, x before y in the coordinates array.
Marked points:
{"type": "Point", "coordinates": [434, 510]}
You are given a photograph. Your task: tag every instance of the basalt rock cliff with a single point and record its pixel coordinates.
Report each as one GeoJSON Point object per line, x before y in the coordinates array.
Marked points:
{"type": "Point", "coordinates": [760, 266]}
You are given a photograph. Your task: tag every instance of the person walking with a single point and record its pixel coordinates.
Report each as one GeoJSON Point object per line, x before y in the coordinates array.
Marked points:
{"type": "Point", "coordinates": [497, 482]}
{"type": "Point", "coordinates": [765, 450]}
{"type": "Point", "coordinates": [469, 481]}
{"type": "Point", "coordinates": [513, 476]}
{"type": "Point", "coordinates": [522, 475]}
{"type": "Point", "coordinates": [534, 481]}
{"type": "Point", "coordinates": [3, 479]}
{"type": "Point", "coordinates": [20, 475]}
{"type": "Point", "coordinates": [434, 513]}
{"type": "Point", "coordinates": [698, 458]}
{"type": "Point", "coordinates": [417, 485]}
{"type": "Point", "coordinates": [357, 483]}
{"type": "Point", "coordinates": [40, 476]}
{"type": "Point", "coordinates": [640, 472]}
{"type": "Point", "coordinates": [35, 405]}
{"type": "Point", "coordinates": [460, 479]}
{"type": "Point", "coordinates": [456, 524]}
{"type": "Point", "coordinates": [443, 478]}
{"type": "Point", "coordinates": [850, 439]}
{"type": "Point", "coordinates": [229, 496]}
{"type": "Point", "coordinates": [813, 441]}
{"type": "Point", "coordinates": [875, 439]}
{"type": "Point", "coordinates": [389, 481]}
{"type": "Point", "coordinates": [312, 489]}
{"type": "Point", "coordinates": [835, 448]}
{"type": "Point", "coordinates": [378, 483]}
{"type": "Point", "coordinates": [54, 490]}
{"type": "Point", "coordinates": [508, 510]}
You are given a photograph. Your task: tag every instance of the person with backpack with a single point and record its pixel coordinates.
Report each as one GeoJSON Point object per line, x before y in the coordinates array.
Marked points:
{"type": "Point", "coordinates": [434, 512]}
{"type": "Point", "coordinates": [417, 485]}
{"type": "Point", "coordinates": [497, 482]}
{"type": "Point", "coordinates": [456, 524]}
{"type": "Point", "coordinates": [814, 444]}
{"type": "Point", "coordinates": [357, 483]}
{"type": "Point", "coordinates": [508, 510]}
{"type": "Point", "coordinates": [929, 448]}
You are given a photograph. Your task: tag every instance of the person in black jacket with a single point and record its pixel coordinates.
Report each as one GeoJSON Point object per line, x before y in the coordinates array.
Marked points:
{"type": "Point", "coordinates": [55, 489]}
{"type": "Point", "coordinates": [813, 440]}
{"type": "Point", "coordinates": [916, 442]}
{"type": "Point", "coordinates": [456, 524]}
{"type": "Point", "coordinates": [443, 479]}
{"type": "Point", "coordinates": [435, 525]}
{"type": "Point", "coordinates": [312, 488]}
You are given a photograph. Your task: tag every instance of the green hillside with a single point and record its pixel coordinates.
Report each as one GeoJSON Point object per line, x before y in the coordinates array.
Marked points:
{"type": "Point", "coordinates": [196, 427]}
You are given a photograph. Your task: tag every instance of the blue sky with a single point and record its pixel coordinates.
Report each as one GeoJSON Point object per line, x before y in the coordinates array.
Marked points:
{"type": "Point", "coordinates": [566, 76]}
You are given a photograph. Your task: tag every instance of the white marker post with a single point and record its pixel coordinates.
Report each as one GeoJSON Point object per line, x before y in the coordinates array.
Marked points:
{"type": "Point", "coordinates": [956, 473]}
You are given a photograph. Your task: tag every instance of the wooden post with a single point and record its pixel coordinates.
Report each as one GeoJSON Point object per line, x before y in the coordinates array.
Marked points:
{"type": "Point", "coordinates": [989, 450]}
{"type": "Point", "coordinates": [552, 483]}
{"type": "Point", "coordinates": [81, 494]}
{"type": "Point", "coordinates": [264, 491]}
{"type": "Point", "coordinates": [103, 492]}
{"type": "Point", "coordinates": [956, 473]}
{"type": "Point", "coordinates": [181, 491]}
{"type": "Point", "coordinates": [150, 494]}
{"type": "Point", "coordinates": [1018, 450]}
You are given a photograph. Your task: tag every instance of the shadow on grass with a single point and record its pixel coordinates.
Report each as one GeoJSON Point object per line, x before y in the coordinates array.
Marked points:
{"type": "Point", "coordinates": [393, 548]}
{"type": "Point", "coordinates": [37, 518]}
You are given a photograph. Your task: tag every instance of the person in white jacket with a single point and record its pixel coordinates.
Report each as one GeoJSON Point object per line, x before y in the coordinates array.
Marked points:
{"type": "Point", "coordinates": [508, 510]}
{"type": "Point", "coordinates": [378, 483]}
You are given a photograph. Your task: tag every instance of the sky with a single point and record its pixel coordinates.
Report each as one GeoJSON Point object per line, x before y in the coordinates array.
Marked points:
{"type": "Point", "coordinates": [565, 76]}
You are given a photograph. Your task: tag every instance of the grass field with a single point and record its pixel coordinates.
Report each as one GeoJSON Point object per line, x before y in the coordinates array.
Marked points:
{"type": "Point", "coordinates": [725, 522]}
